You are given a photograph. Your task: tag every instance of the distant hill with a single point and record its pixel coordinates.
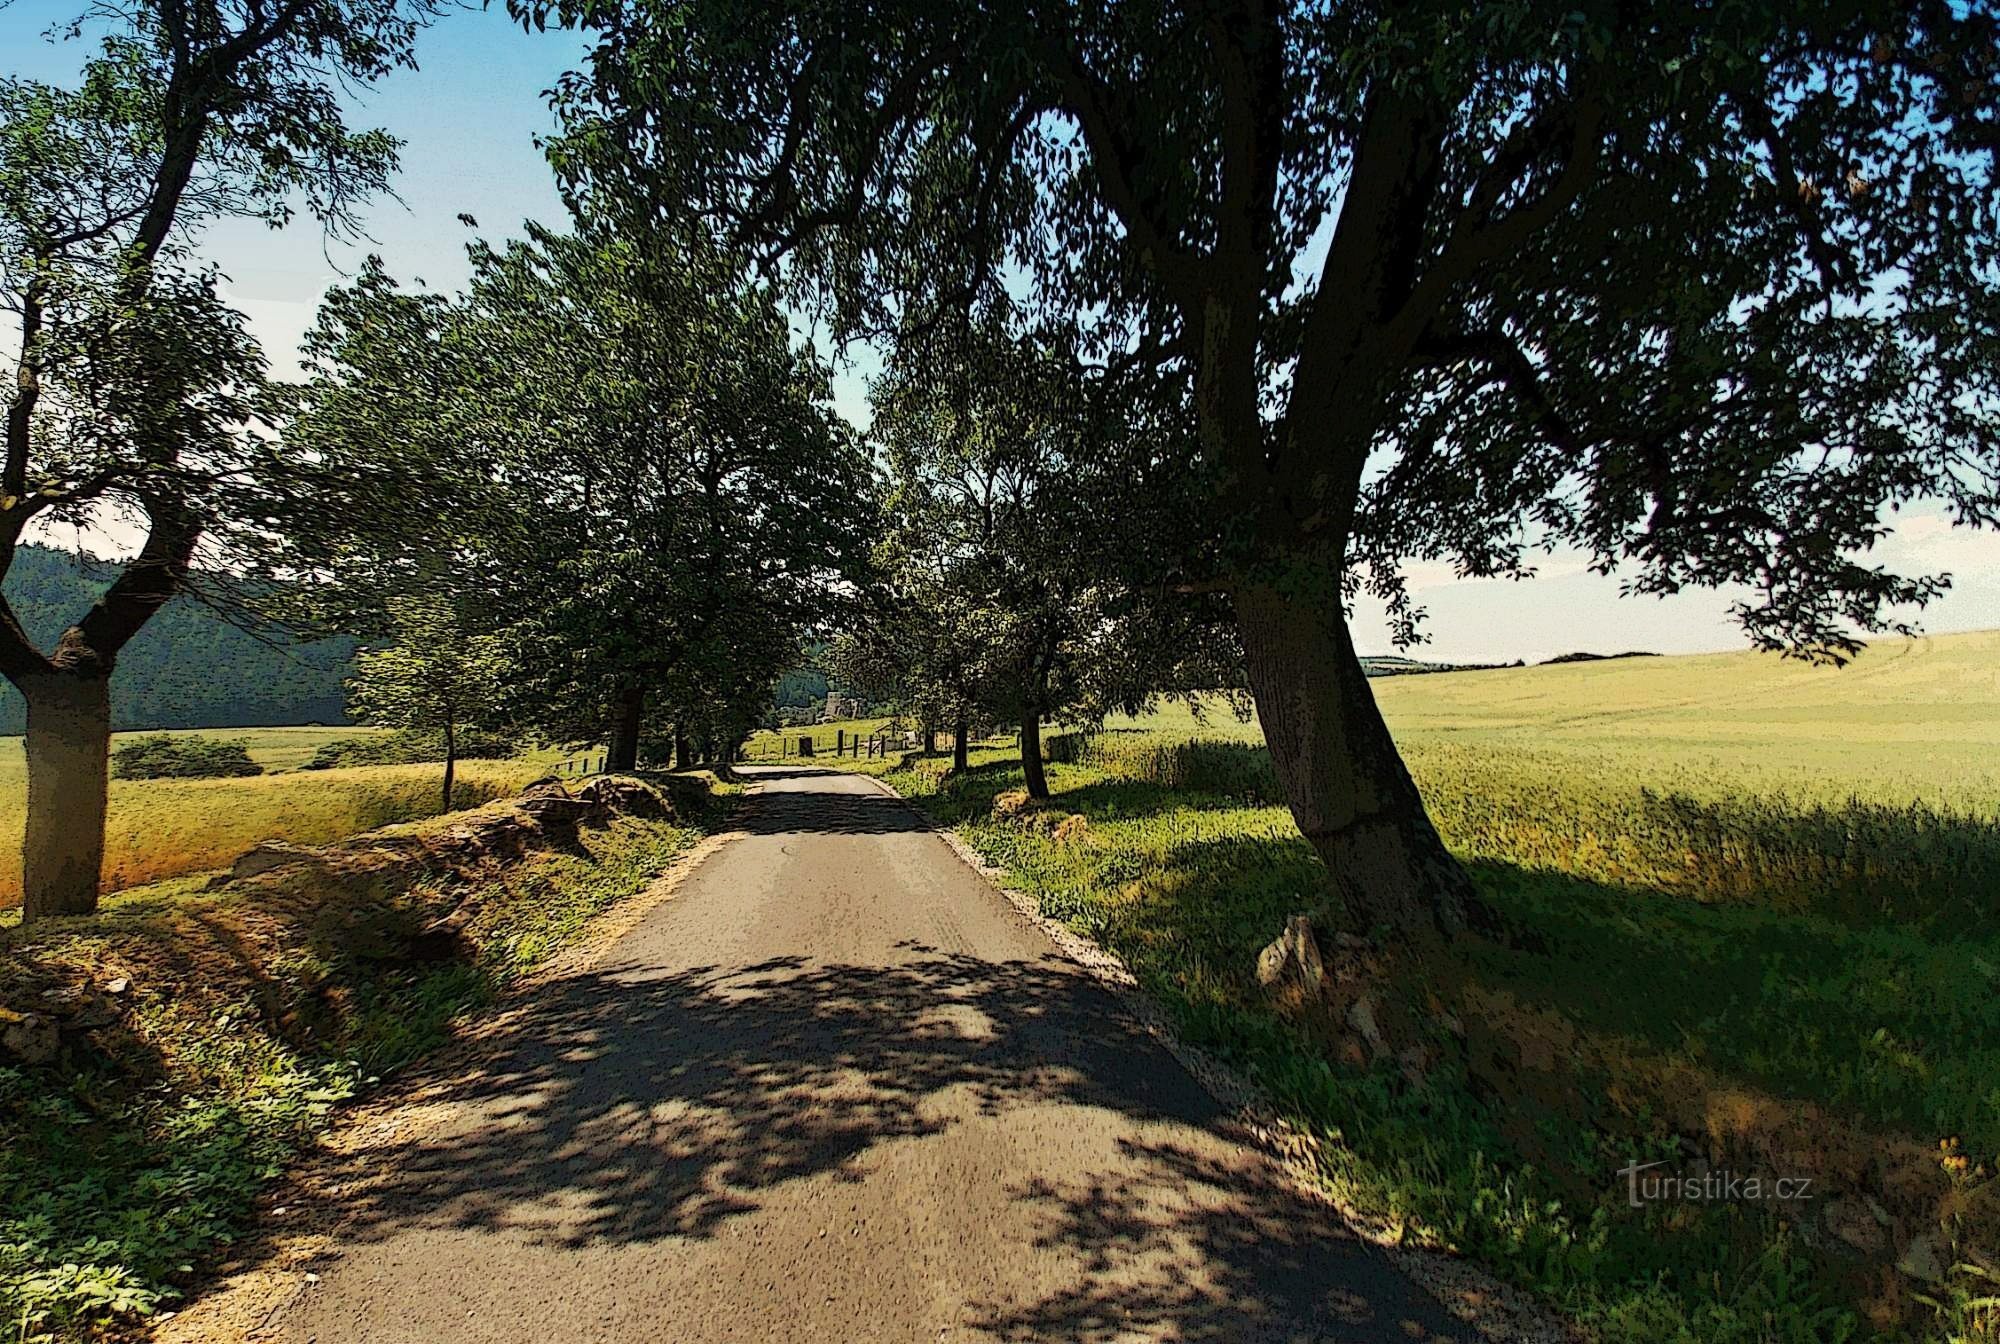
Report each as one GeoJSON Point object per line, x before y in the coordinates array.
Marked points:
{"type": "Point", "coordinates": [1597, 657]}
{"type": "Point", "coordinates": [188, 668]}
{"type": "Point", "coordinates": [1395, 665]}
{"type": "Point", "coordinates": [799, 687]}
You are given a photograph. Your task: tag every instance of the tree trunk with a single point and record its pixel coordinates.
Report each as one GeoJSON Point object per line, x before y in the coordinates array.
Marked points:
{"type": "Point", "coordinates": [622, 752]}
{"type": "Point", "coordinates": [682, 758]}
{"type": "Point", "coordinates": [450, 760]}
{"type": "Point", "coordinates": [68, 751]}
{"type": "Point", "coordinates": [1031, 755]}
{"type": "Point", "coordinates": [1349, 791]}
{"type": "Point", "coordinates": [930, 738]}
{"type": "Point", "coordinates": [959, 735]}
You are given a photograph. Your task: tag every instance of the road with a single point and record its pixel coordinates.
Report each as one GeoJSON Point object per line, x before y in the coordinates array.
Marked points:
{"type": "Point", "coordinates": [838, 1089]}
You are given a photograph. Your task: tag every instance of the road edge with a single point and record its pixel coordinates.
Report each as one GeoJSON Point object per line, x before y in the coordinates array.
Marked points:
{"type": "Point", "coordinates": [303, 1213]}
{"type": "Point", "coordinates": [1499, 1311]}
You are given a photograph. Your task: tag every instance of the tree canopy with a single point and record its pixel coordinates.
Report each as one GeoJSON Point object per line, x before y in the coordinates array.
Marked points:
{"type": "Point", "coordinates": [1700, 292]}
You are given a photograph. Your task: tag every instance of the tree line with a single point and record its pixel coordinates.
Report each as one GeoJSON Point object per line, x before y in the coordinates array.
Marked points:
{"type": "Point", "coordinates": [193, 665]}
{"type": "Point", "coordinates": [1201, 320]}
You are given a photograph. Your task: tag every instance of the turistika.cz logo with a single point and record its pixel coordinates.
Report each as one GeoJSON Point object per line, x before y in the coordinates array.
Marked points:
{"type": "Point", "coordinates": [1714, 1186]}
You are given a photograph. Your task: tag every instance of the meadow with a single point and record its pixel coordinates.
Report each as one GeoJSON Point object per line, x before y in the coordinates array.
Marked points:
{"type": "Point", "coordinates": [161, 829]}
{"type": "Point", "coordinates": [766, 745]}
{"type": "Point", "coordinates": [1758, 905]}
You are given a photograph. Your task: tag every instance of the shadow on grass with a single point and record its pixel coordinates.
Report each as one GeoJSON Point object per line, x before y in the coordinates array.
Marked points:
{"type": "Point", "coordinates": [1856, 1002]}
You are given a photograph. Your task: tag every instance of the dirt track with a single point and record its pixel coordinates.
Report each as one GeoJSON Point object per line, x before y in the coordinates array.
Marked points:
{"type": "Point", "coordinates": [838, 1089]}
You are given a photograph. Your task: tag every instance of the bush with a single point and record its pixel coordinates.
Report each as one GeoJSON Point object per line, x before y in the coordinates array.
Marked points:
{"type": "Point", "coordinates": [166, 757]}
{"type": "Point", "coordinates": [406, 748]}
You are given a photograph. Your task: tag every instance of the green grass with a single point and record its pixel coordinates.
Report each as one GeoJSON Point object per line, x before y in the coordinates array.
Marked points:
{"type": "Point", "coordinates": [120, 1172]}
{"type": "Point", "coordinates": [159, 829]}
{"type": "Point", "coordinates": [764, 745]}
{"type": "Point", "coordinates": [1746, 877]}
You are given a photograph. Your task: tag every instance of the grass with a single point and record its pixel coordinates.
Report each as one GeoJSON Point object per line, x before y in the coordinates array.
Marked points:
{"type": "Point", "coordinates": [765, 745]}
{"type": "Point", "coordinates": [159, 829]}
{"type": "Point", "coordinates": [1764, 897]}
{"type": "Point", "coordinates": [254, 1012]}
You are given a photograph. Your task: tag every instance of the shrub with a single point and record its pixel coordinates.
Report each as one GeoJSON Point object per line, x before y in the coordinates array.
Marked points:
{"type": "Point", "coordinates": [404, 748]}
{"type": "Point", "coordinates": [163, 756]}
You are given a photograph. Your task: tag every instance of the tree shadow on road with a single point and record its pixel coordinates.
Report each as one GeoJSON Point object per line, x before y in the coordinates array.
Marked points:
{"type": "Point", "coordinates": [632, 1105]}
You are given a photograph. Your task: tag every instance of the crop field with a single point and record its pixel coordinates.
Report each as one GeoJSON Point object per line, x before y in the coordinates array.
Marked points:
{"type": "Point", "coordinates": [1750, 884]}
{"type": "Point", "coordinates": [168, 828]}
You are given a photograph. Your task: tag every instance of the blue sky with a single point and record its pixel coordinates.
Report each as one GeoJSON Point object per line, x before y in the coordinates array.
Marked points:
{"type": "Point", "coordinates": [469, 117]}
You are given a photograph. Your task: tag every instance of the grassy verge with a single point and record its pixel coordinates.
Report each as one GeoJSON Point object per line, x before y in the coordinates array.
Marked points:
{"type": "Point", "coordinates": [1827, 970]}
{"type": "Point", "coordinates": [218, 1033]}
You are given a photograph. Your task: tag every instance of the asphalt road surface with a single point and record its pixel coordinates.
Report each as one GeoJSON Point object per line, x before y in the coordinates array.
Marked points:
{"type": "Point", "coordinates": [838, 1089]}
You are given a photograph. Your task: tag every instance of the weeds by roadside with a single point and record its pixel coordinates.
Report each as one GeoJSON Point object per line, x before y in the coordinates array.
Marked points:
{"type": "Point", "coordinates": [237, 1028]}
{"type": "Point", "coordinates": [1780, 982]}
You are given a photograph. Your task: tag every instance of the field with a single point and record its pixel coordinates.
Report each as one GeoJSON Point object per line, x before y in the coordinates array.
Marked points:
{"type": "Point", "coordinates": [168, 828]}
{"type": "Point", "coordinates": [765, 745]}
{"type": "Point", "coordinates": [1764, 902]}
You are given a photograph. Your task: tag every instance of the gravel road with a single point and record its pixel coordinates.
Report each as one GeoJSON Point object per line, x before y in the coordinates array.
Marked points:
{"type": "Point", "coordinates": [838, 1089]}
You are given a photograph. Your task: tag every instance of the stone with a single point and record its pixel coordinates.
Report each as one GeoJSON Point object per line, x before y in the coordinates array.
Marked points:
{"type": "Point", "coordinates": [1922, 1260]}
{"type": "Point", "coordinates": [1853, 1224]}
{"type": "Point", "coordinates": [1293, 955]}
{"type": "Point", "coordinates": [30, 1038]}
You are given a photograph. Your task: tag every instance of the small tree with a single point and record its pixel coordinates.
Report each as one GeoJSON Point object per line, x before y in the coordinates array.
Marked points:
{"type": "Point", "coordinates": [434, 677]}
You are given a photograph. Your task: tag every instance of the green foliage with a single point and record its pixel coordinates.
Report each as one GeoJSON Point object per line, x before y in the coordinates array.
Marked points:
{"type": "Point", "coordinates": [190, 667]}
{"type": "Point", "coordinates": [1409, 282]}
{"type": "Point", "coordinates": [611, 456]}
{"type": "Point", "coordinates": [409, 748]}
{"type": "Point", "coordinates": [184, 757]}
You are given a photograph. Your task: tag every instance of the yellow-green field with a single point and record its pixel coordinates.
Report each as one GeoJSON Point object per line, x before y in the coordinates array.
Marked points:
{"type": "Point", "coordinates": [167, 828]}
{"type": "Point", "coordinates": [1908, 719]}
{"type": "Point", "coordinates": [1747, 892]}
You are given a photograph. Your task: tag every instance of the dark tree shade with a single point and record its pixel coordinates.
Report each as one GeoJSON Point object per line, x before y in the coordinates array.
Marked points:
{"type": "Point", "coordinates": [1703, 290]}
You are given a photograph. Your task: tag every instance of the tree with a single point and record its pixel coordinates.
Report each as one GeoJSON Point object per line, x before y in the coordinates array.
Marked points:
{"type": "Point", "coordinates": [613, 442]}
{"type": "Point", "coordinates": [1020, 588]}
{"type": "Point", "coordinates": [1703, 292]}
{"type": "Point", "coordinates": [132, 384]}
{"type": "Point", "coordinates": [434, 677]}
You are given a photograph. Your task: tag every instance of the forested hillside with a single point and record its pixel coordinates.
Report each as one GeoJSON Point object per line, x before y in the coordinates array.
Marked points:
{"type": "Point", "coordinates": [188, 668]}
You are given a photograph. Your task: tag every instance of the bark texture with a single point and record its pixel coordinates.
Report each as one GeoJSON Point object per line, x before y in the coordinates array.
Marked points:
{"type": "Point", "coordinates": [68, 751]}
{"type": "Point", "coordinates": [1031, 756]}
{"type": "Point", "coordinates": [1349, 791]}
{"type": "Point", "coordinates": [622, 751]}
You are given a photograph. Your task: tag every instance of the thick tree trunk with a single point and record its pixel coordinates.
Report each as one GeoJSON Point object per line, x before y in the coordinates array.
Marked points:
{"type": "Point", "coordinates": [622, 752]}
{"type": "Point", "coordinates": [1348, 788]}
{"type": "Point", "coordinates": [930, 738]}
{"type": "Point", "coordinates": [68, 750]}
{"type": "Point", "coordinates": [683, 757]}
{"type": "Point", "coordinates": [450, 761]}
{"type": "Point", "coordinates": [960, 735]}
{"type": "Point", "coordinates": [1031, 755]}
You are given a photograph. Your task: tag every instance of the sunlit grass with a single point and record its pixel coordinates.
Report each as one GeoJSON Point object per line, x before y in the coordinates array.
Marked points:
{"type": "Point", "coordinates": [1739, 874]}
{"type": "Point", "coordinates": [166, 828]}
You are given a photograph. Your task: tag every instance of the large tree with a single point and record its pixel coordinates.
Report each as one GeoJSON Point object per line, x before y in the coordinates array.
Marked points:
{"type": "Point", "coordinates": [1700, 290]}
{"type": "Point", "coordinates": [132, 385]}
